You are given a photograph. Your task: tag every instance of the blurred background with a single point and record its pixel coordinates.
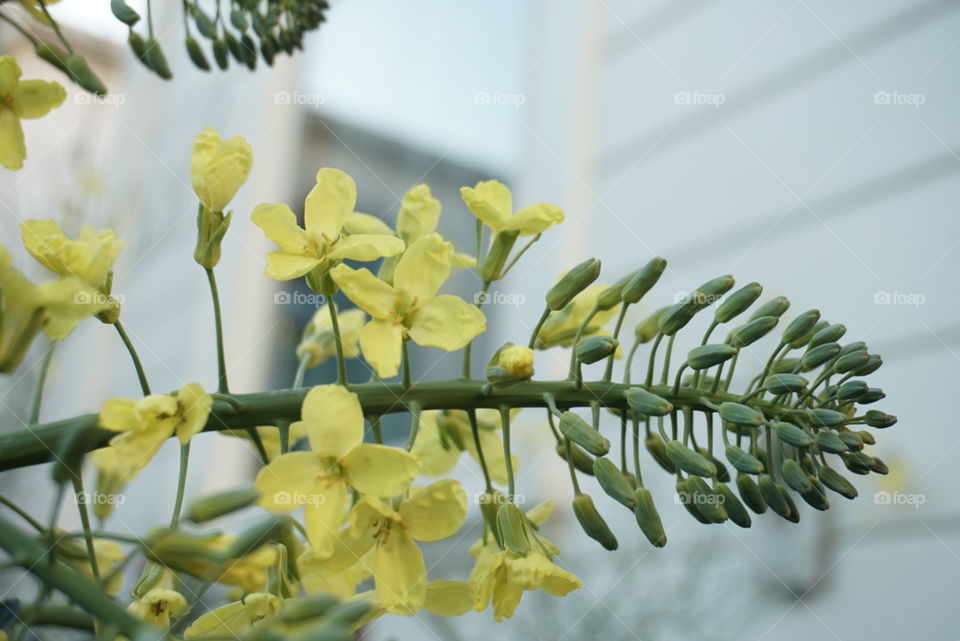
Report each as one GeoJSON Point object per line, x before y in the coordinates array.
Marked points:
{"type": "Point", "coordinates": [809, 145]}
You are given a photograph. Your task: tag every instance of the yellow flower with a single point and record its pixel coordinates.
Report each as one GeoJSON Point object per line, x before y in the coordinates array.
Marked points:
{"type": "Point", "coordinates": [319, 340]}
{"type": "Point", "coordinates": [501, 577]}
{"type": "Point", "coordinates": [318, 579]}
{"type": "Point", "coordinates": [145, 425]}
{"type": "Point", "coordinates": [383, 540]}
{"type": "Point", "coordinates": [90, 257]}
{"type": "Point", "coordinates": [448, 598]}
{"type": "Point", "coordinates": [233, 619]}
{"type": "Point", "coordinates": [444, 435]}
{"type": "Point", "coordinates": [418, 217]}
{"type": "Point", "coordinates": [55, 307]}
{"type": "Point", "coordinates": [517, 360]}
{"type": "Point", "coordinates": [21, 99]}
{"type": "Point", "coordinates": [492, 202]}
{"type": "Point", "coordinates": [321, 244]}
{"type": "Point", "coordinates": [561, 327]}
{"type": "Point", "coordinates": [219, 168]}
{"type": "Point", "coordinates": [158, 606]}
{"type": "Point", "coordinates": [319, 479]}
{"type": "Point", "coordinates": [410, 308]}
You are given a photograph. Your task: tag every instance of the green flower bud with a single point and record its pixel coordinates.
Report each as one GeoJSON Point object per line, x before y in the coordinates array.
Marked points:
{"type": "Point", "coordinates": [649, 327]}
{"type": "Point", "coordinates": [737, 302]}
{"type": "Point", "coordinates": [858, 462]}
{"type": "Point", "coordinates": [595, 348]}
{"type": "Point", "coordinates": [836, 482]}
{"type": "Point", "coordinates": [214, 505]}
{"type": "Point", "coordinates": [582, 461]}
{"type": "Point", "coordinates": [249, 49]}
{"type": "Point", "coordinates": [580, 432]}
{"type": "Point", "coordinates": [205, 24]}
{"type": "Point", "coordinates": [852, 390]}
{"type": "Point", "coordinates": [345, 614]}
{"type": "Point", "coordinates": [685, 495]}
{"type": "Point", "coordinates": [689, 461]}
{"type": "Point", "coordinates": [238, 20]}
{"type": "Point", "coordinates": [707, 356]}
{"type": "Point", "coordinates": [156, 61]}
{"type": "Point", "coordinates": [53, 54]}
{"type": "Point", "coordinates": [872, 395]}
{"type": "Point", "coordinates": [592, 523]}
{"type": "Point", "coordinates": [220, 54]}
{"type": "Point", "coordinates": [306, 608]}
{"type": "Point", "coordinates": [784, 383]}
{"type": "Point", "coordinates": [785, 365]}
{"type": "Point", "coordinates": [866, 437]}
{"type": "Point", "coordinates": [643, 280]}
{"type": "Point", "coordinates": [851, 361]}
{"type": "Point", "coordinates": [855, 346]}
{"type": "Point", "coordinates": [573, 282]}
{"type": "Point", "coordinates": [851, 440]}
{"type": "Point", "coordinates": [794, 476]}
{"type": "Point", "coordinates": [722, 474]}
{"type": "Point", "coordinates": [196, 54]}
{"type": "Point", "coordinates": [658, 450]}
{"type": "Point", "coordinates": [740, 414]}
{"type": "Point", "coordinates": [676, 317]}
{"type": "Point", "coordinates": [799, 327]}
{"type": "Point", "coordinates": [829, 334]}
{"type": "Point", "coordinates": [124, 12]}
{"type": "Point", "coordinates": [752, 331]}
{"type": "Point", "coordinates": [873, 364]}
{"type": "Point", "coordinates": [150, 577]}
{"type": "Point", "coordinates": [233, 45]}
{"type": "Point", "coordinates": [805, 339]}
{"type": "Point", "coordinates": [734, 508]}
{"type": "Point", "coordinates": [817, 356]}
{"type": "Point", "coordinates": [750, 493]}
{"type": "Point", "coordinates": [829, 442]}
{"type": "Point", "coordinates": [775, 307]}
{"type": "Point", "coordinates": [138, 46]}
{"type": "Point", "coordinates": [212, 226]}
{"type": "Point", "coordinates": [648, 518]}
{"type": "Point", "coordinates": [879, 466]}
{"type": "Point", "coordinates": [743, 461]}
{"type": "Point", "coordinates": [792, 435]}
{"type": "Point", "coordinates": [497, 255]}
{"type": "Point", "coordinates": [81, 73]}
{"type": "Point", "coordinates": [613, 481]}
{"type": "Point", "coordinates": [266, 530]}
{"type": "Point", "coordinates": [823, 417]}
{"type": "Point", "coordinates": [793, 514]}
{"type": "Point", "coordinates": [513, 529]}
{"type": "Point", "coordinates": [773, 497]}
{"type": "Point", "coordinates": [646, 402]}
{"type": "Point", "coordinates": [708, 502]}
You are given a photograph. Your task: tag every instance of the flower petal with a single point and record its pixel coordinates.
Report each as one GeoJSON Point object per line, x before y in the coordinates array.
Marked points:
{"type": "Point", "coordinates": [535, 219]}
{"type": "Point", "coordinates": [9, 74]}
{"type": "Point", "coordinates": [323, 515]}
{"type": "Point", "coordinates": [119, 414]}
{"type": "Point", "coordinates": [449, 598]}
{"type": "Point", "coordinates": [424, 267]}
{"type": "Point", "coordinates": [447, 322]}
{"type": "Point", "coordinates": [329, 204]}
{"type": "Point", "coordinates": [381, 342]}
{"type": "Point", "coordinates": [35, 98]}
{"type": "Point", "coordinates": [285, 483]}
{"type": "Point", "coordinates": [436, 511]}
{"type": "Point", "coordinates": [360, 223]}
{"type": "Point", "coordinates": [333, 420]}
{"type": "Point", "coordinates": [194, 408]}
{"type": "Point", "coordinates": [490, 201]}
{"type": "Point", "coordinates": [366, 247]}
{"type": "Point", "coordinates": [435, 458]}
{"type": "Point", "coordinates": [419, 213]}
{"type": "Point", "coordinates": [380, 470]}
{"type": "Point", "coordinates": [367, 292]}
{"type": "Point", "coordinates": [400, 574]}
{"type": "Point", "coordinates": [282, 265]}
{"type": "Point", "coordinates": [279, 224]}
{"type": "Point", "coordinates": [12, 148]}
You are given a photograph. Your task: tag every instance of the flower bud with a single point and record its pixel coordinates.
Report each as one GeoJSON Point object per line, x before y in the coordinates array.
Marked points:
{"type": "Point", "coordinates": [805, 339]}
{"type": "Point", "coordinates": [53, 54]}
{"type": "Point", "coordinates": [124, 12]}
{"type": "Point", "coordinates": [573, 282]}
{"type": "Point", "coordinates": [517, 360]}
{"type": "Point", "coordinates": [582, 461]}
{"type": "Point", "coordinates": [592, 523]}
{"type": "Point", "coordinates": [829, 442]}
{"type": "Point", "coordinates": [732, 505]}
{"type": "Point", "coordinates": [706, 500]}
{"type": "Point", "coordinates": [784, 383]}
{"type": "Point", "coordinates": [878, 419]}
{"type": "Point", "coordinates": [852, 390]}
{"type": "Point", "coordinates": [212, 226]}
{"type": "Point", "coordinates": [855, 346]}
{"type": "Point", "coordinates": [497, 255]}
{"type": "Point", "coordinates": [689, 461]}
{"type": "Point", "coordinates": [658, 450]}
{"type": "Point", "coordinates": [218, 168]}
{"type": "Point", "coordinates": [816, 496]}
{"type": "Point", "coordinates": [83, 75]}
{"type": "Point", "coordinates": [648, 518]}
{"type": "Point", "coordinates": [879, 466]}
{"type": "Point", "coordinates": [775, 307]}
{"type": "Point", "coordinates": [851, 440]}
{"type": "Point", "coordinates": [196, 54]}
{"type": "Point", "coordinates": [737, 302]}
{"type": "Point", "coordinates": [750, 493]}
{"type": "Point", "coordinates": [156, 61]}
{"type": "Point", "coordinates": [858, 462]}
{"type": "Point", "coordinates": [209, 507]}
{"type": "Point", "coordinates": [772, 496]}
{"type": "Point", "coordinates": [785, 365]}
{"type": "Point", "coordinates": [740, 414]}
{"type": "Point", "coordinates": [874, 361]}
{"type": "Point", "coordinates": [829, 334]}
{"type": "Point", "coordinates": [817, 356]}
{"type": "Point", "coordinates": [707, 356]}
{"type": "Point", "coordinates": [580, 432]}
{"type": "Point", "coordinates": [646, 402]}
{"type": "Point", "coordinates": [642, 280]}
{"type": "Point", "coordinates": [794, 476]}
{"type": "Point", "coordinates": [595, 348]}
{"type": "Point", "coordinates": [866, 437]}
{"type": "Point", "coordinates": [799, 326]}
{"type": "Point", "coordinates": [138, 46]}
{"type": "Point", "coordinates": [220, 53]}
{"type": "Point", "coordinates": [150, 578]}
{"type": "Point", "coordinates": [685, 495]}
{"type": "Point", "coordinates": [852, 361]}
{"type": "Point", "coordinates": [823, 417]}
{"type": "Point", "coordinates": [752, 331]}
{"type": "Point", "coordinates": [512, 525]}
{"type": "Point", "coordinates": [613, 481]}
{"type": "Point", "coordinates": [306, 608]}
{"type": "Point", "coordinates": [743, 461]}
{"type": "Point", "coordinates": [266, 530]}
{"type": "Point", "coordinates": [872, 395]}
{"type": "Point", "coordinates": [793, 514]}
{"type": "Point", "coordinates": [792, 434]}
{"type": "Point", "coordinates": [836, 482]}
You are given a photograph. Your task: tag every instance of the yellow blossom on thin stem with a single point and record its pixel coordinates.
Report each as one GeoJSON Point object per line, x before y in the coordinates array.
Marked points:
{"type": "Point", "coordinates": [218, 168]}
{"type": "Point", "coordinates": [21, 99]}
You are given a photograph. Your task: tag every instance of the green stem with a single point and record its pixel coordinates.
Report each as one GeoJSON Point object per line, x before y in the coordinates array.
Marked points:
{"type": "Point", "coordinates": [539, 326]}
{"type": "Point", "coordinates": [405, 363]}
{"type": "Point", "coordinates": [576, 339]}
{"type": "Point", "coordinates": [222, 386]}
{"type": "Point", "coordinates": [465, 374]}
{"type": "Point", "coordinates": [507, 457]}
{"type": "Point", "coordinates": [616, 332]}
{"type": "Point", "coordinates": [181, 484]}
{"type": "Point", "coordinates": [38, 394]}
{"type": "Point", "coordinates": [338, 341]}
{"type": "Point", "coordinates": [85, 524]}
{"type": "Point", "coordinates": [144, 385]}
{"type": "Point", "coordinates": [475, 429]}
{"type": "Point", "coordinates": [22, 513]}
